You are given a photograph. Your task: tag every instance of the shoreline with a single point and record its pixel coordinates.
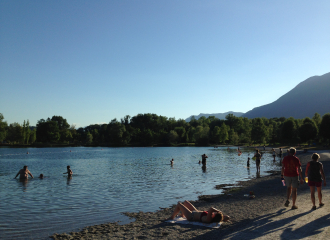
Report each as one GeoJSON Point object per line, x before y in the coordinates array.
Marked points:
{"type": "Point", "coordinates": [242, 210]}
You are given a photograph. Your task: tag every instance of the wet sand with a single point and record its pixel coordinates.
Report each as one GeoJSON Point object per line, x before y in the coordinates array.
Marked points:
{"type": "Point", "coordinates": [245, 212]}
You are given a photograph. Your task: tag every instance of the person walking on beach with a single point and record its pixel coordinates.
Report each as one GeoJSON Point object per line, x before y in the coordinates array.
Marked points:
{"type": "Point", "coordinates": [69, 171]}
{"type": "Point", "coordinates": [204, 159]}
{"type": "Point", "coordinates": [291, 170]}
{"type": "Point", "coordinates": [314, 172]}
{"type": "Point", "coordinates": [258, 159]}
{"type": "Point", "coordinates": [24, 173]}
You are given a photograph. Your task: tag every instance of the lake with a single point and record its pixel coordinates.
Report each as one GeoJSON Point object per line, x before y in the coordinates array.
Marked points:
{"type": "Point", "coordinates": [107, 182]}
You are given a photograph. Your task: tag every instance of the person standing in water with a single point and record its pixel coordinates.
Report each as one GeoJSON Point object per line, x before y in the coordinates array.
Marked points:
{"type": "Point", "coordinates": [315, 173]}
{"type": "Point", "coordinates": [258, 159]}
{"type": "Point", "coordinates": [248, 162]}
{"type": "Point", "coordinates": [204, 159]}
{"type": "Point", "coordinates": [24, 173]}
{"type": "Point", "coordinates": [172, 161]}
{"type": "Point", "coordinates": [69, 171]}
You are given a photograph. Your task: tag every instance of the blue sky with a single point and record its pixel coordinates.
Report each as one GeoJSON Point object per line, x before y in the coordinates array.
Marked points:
{"type": "Point", "coordinates": [93, 61]}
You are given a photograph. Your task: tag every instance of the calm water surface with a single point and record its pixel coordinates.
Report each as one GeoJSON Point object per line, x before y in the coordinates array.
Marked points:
{"type": "Point", "coordinates": [107, 182]}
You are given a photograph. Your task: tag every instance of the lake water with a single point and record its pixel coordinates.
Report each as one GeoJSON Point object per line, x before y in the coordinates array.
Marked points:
{"type": "Point", "coordinates": [107, 182]}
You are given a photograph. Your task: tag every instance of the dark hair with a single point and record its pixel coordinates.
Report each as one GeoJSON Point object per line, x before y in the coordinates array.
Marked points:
{"type": "Point", "coordinates": [218, 217]}
{"type": "Point", "coordinates": [257, 150]}
{"type": "Point", "coordinates": [292, 150]}
{"type": "Point", "coordinates": [315, 156]}
{"type": "Point", "coordinates": [68, 166]}
{"type": "Point", "coordinates": [41, 175]}
{"type": "Point", "coordinates": [25, 167]}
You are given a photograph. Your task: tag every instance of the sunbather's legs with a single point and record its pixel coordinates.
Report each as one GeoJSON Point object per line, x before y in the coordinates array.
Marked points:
{"type": "Point", "coordinates": [184, 210]}
{"type": "Point", "coordinates": [190, 206]}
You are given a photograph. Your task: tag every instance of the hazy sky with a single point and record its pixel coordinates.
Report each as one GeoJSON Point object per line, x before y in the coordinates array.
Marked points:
{"type": "Point", "coordinates": [93, 61]}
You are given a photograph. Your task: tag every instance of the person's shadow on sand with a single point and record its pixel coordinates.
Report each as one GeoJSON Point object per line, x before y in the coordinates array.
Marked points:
{"type": "Point", "coordinates": [251, 229]}
{"type": "Point", "coordinates": [308, 230]}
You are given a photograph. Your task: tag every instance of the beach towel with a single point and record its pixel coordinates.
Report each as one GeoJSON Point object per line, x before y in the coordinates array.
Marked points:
{"type": "Point", "coordinates": [182, 220]}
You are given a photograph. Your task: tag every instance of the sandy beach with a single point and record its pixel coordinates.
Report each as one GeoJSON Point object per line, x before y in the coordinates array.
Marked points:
{"type": "Point", "coordinates": [263, 217]}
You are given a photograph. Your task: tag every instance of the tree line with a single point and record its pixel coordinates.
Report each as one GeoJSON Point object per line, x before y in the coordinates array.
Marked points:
{"type": "Point", "coordinates": [153, 130]}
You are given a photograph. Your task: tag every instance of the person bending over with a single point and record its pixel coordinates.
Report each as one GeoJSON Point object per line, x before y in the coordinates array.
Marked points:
{"type": "Point", "coordinates": [190, 212]}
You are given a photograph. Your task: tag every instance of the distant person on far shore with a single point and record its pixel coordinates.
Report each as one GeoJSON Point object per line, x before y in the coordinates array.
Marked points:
{"type": "Point", "coordinates": [315, 173]}
{"type": "Point", "coordinates": [258, 159]}
{"type": "Point", "coordinates": [69, 171]}
{"type": "Point", "coordinates": [291, 170]}
{"type": "Point", "coordinates": [204, 159]}
{"type": "Point", "coordinates": [24, 173]}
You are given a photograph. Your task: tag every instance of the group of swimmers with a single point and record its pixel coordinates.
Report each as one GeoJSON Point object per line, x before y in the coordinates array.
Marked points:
{"type": "Point", "coordinates": [24, 173]}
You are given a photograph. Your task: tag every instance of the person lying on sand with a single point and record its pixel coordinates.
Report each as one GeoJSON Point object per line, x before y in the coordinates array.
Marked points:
{"type": "Point", "coordinates": [193, 214]}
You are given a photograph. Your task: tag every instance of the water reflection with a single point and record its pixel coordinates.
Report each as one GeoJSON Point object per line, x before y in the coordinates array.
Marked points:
{"type": "Point", "coordinates": [23, 183]}
{"type": "Point", "coordinates": [69, 178]}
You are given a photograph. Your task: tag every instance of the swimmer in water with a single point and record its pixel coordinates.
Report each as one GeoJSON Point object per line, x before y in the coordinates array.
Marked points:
{"type": "Point", "coordinates": [172, 161]}
{"type": "Point", "coordinates": [69, 171]}
{"type": "Point", "coordinates": [24, 173]}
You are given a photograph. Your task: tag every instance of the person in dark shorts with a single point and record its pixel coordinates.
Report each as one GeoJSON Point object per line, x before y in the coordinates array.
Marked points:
{"type": "Point", "coordinates": [315, 173]}
{"type": "Point", "coordinates": [248, 162]}
{"type": "Point", "coordinates": [258, 159]}
{"type": "Point", "coordinates": [291, 170]}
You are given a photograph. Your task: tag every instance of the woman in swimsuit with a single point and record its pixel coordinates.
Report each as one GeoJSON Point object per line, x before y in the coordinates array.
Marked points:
{"type": "Point", "coordinates": [193, 214]}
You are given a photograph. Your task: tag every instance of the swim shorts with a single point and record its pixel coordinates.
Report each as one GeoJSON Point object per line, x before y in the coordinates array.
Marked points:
{"type": "Point", "coordinates": [292, 181]}
{"type": "Point", "coordinates": [314, 184]}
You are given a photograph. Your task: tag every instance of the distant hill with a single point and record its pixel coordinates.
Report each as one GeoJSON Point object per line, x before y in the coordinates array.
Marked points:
{"type": "Point", "coordinates": [307, 98]}
{"type": "Point", "coordinates": [217, 115]}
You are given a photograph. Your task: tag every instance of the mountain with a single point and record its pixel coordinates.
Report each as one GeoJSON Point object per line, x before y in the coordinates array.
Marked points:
{"type": "Point", "coordinates": [217, 115]}
{"type": "Point", "coordinates": [307, 98]}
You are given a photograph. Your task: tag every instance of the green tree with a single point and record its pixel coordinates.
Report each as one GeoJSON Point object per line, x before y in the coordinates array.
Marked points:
{"type": "Point", "coordinates": [3, 127]}
{"type": "Point", "coordinates": [289, 130]}
{"type": "Point", "coordinates": [89, 138]}
{"type": "Point", "coordinates": [233, 137]}
{"type": "Point", "coordinates": [258, 131]}
{"type": "Point", "coordinates": [308, 130]}
{"type": "Point", "coordinates": [15, 133]}
{"type": "Point", "coordinates": [173, 136]}
{"type": "Point", "coordinates": [216, 136]}
{"type": "Point", "coordinates": [317, 119]}
{"type": "Point", "coordinates": [47, 131]}
{"type": "Point", "coordinates": [224, 136]}
{"type": "Point", "coordinates": [325, 127]}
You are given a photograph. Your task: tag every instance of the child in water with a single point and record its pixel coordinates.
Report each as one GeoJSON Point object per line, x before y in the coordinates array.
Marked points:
{"type": "Point", "coordinates": [69, 171]}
